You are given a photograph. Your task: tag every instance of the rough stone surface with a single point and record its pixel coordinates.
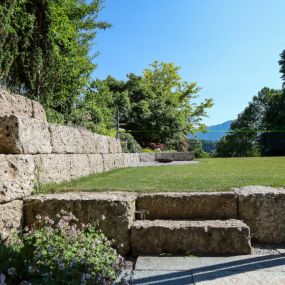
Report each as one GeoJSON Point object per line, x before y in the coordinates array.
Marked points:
{"type": "Point", "coordinates": [96, 163]}
{"type": "Point", "coordinates": [118, 146]}
{"type": "Point", "coordinates": [53, 167]}
{"type": "Point", "coordinates": [21, 106]}
{"type": "Point", "coordinates": [175, 156]}
{"type": "Point", "coordinates": [115, 212]}
{"type": "Point", "coordinates": [64, 167]}
{"type": "Point", "coordinates": [79, 165]}
{"type": "Point", "coordinates": [263, 210]}
{"type": "Point", "coordinates": [211, 205]}
{"type": "Point", "coordinates": [72, 140]}
{"type": "Point", "coordinates": [23, 136]}
{"type": "Point", "coordinates": [131, 159]}
{"type": "Point", "coordinates": [17, 176]}
{"type": "Point", "coordinates": [119, 160]}
{"type": "Point", "coordinates": [112, 145]}
{"type": "Point", "coordinates": [203, 237]}
{"type": "Point", "coordinates": [10, 217]}
{"type": "Point", "coordinates": [108, 161]}
{"type": "Point", "coordinates": [171, 156]}
{"type": "Point", "coordinates": [147, 157]}
{"type": "Point", "coordinates": [103, 144]}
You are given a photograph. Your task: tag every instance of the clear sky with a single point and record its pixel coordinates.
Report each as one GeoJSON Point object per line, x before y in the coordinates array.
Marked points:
{"type": "Point", "coordinates": [230, 48]}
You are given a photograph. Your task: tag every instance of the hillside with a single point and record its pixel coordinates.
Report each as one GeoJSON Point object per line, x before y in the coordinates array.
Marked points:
{"type": "Point", "coordinates": [215, 132]}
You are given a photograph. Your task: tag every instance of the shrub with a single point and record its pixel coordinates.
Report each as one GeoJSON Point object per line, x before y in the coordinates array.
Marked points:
{"type": "Point", "coordinates": [59, 252]}
{"type": "Point", "coordinates": [128, 143]}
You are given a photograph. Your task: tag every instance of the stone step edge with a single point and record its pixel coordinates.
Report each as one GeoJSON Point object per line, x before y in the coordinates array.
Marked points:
{"type": "Point", "coordinates": [211, 237]}
{"type": "Point", "coordinates": [165, 223]}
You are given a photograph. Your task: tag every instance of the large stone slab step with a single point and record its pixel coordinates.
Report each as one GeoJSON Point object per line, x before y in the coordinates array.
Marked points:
{"type": "Point", "coordinates": [211, 237]}
{"type": "Point", "coordinates": [186, 206]}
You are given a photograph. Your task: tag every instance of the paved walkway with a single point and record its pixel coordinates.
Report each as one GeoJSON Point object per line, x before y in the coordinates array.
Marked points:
{"type": "Point", "coordinates": [156, 163]}
{"type": "Point", "coordinates": [266, 269]}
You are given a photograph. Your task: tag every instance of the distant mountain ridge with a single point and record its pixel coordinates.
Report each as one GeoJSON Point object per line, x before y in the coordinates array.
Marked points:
{"type": "Point", "coordinates": [215, 132]}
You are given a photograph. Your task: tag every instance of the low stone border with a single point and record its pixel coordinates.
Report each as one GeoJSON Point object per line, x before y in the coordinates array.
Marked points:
{"type": "Point", "coordinates": [114, 212]}
{"type": "Point", "coordinates": [171, 156]}
{"type": "Point", "coordinates": [260, 208]}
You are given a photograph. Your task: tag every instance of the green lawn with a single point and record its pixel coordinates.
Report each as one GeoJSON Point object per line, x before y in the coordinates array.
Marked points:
{"type": "Point", "coordinates": [214, 174]}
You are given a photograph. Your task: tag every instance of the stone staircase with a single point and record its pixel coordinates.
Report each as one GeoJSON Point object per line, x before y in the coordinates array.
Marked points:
{"type": "Point", "coordinates": [192, 223]}
{"type": "Point", "coordinates": [213, 223]}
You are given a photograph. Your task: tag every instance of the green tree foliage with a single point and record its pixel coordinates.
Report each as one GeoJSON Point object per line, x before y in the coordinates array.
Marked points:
{"type": "Point", "coordinates": [156, 107]}
{"type": "Point", "coordinates": [208, 146]}
{"type": "Point", "coordinates": [258, 118]}
{"type": "Point", "coordinates": [44, 50]}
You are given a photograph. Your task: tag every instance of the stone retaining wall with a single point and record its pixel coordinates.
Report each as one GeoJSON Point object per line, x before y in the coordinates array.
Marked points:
{"type": "Point", "coordinates": [175, 156]}
{"type": "Point", "coordinates": [32, 151]}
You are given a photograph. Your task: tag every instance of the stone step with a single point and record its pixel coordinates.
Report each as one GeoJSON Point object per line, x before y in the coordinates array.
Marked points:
{"type": "Point", "coordinates": [186, 206]}
{"type": "Point", "coordinates": [210, 237]}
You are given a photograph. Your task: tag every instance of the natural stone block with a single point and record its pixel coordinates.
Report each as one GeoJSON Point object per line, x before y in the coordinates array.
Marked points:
{"type": "Point", "coordinates": [175, 156]}
{"type": "Point", "coordinates": [200, 205]}
{"type": "Point", "coordinates": [21, 106]}
{"type": "Point", "coordinates": [53, 168]}
{"type": "Point", "coordinates": [147, 157]}
{"type": "Point", "coordinates": [17, 174]}
{"type": "Point", "coordinates": [103, 144]}
{"type": "Point", "coordinates": [24, 136]}
{"type": "Point", "coordinates": [108, 161]}
{"type": "Point", "coordinates": [119, 160]}
{"type": "Point", "coordinates": [10, 217]}
{"type": "Point", "coordinates": [90, 142]}
{"type": "Point", "coordinates": [96, 163]}
{"type": "Point", "coordinates": [131, 159]}
{"type": "Point", "coordinates": [72, 140]}
{"type": "Point", "coordinates": [115, 212]}
{"type": "Point", "coordinates": [202, 237]}
{"type": "Point", "coordinates": [112, 145]}
{"type": "Point", "coordinates": [79, 166]}
{"type": "Point", "coordinates": [118, 146]}
{"type": "Point", "coordinates": [64, 167]}
{"type": "Point", "coordinates": [263, 210]}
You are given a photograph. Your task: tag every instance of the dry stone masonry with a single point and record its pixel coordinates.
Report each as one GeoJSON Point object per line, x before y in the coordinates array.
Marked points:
{"type": "Point", "coordinates": [32, 152]}
{"type": "Point", "coordinates": [114, 212]}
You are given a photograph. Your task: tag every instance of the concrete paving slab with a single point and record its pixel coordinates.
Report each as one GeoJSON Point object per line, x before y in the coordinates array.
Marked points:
{"type": "Point", "coordinates": [240, 278]}
{"type": "Point", "coordinates": [162, 277]}
{"type": "Point", "coordinates": [209, 264]}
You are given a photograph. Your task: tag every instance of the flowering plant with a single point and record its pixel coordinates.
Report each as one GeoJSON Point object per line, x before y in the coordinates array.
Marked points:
{"type": "Point", "coordinates": [59, 252]}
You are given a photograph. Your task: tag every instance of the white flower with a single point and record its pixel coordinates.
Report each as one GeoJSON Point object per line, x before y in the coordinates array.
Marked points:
{"type": "Point", "coordinates": [11, 271]}
{"type": "Point", "coordinates": [103, 218]}
{"type": "Point", "coordinates": [84, 278]}
{"type": "Point", "coordinates": [2, 279]}
{"type": "Point", "coordinates": [38, 217]}
{"type": "Point", "coordinates": [25, 283]}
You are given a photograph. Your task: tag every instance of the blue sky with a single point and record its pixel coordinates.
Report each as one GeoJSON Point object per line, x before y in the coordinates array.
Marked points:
{"type": "Point", "coordinates": [229, 47]}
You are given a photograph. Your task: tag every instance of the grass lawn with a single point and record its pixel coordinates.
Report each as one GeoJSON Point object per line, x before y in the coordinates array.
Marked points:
{"type": "Point", "coordinates": [213, 174]}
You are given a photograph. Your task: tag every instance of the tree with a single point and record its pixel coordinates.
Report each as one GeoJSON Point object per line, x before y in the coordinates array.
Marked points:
{"type": "Point", "coordinates": [245, 137]}
{"type": "Point", "coordinates": [161, 107]}
{"type": "Point", "coordinates": [208, 146]}
{"type": "Point", "coordinates": [44, 50]}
